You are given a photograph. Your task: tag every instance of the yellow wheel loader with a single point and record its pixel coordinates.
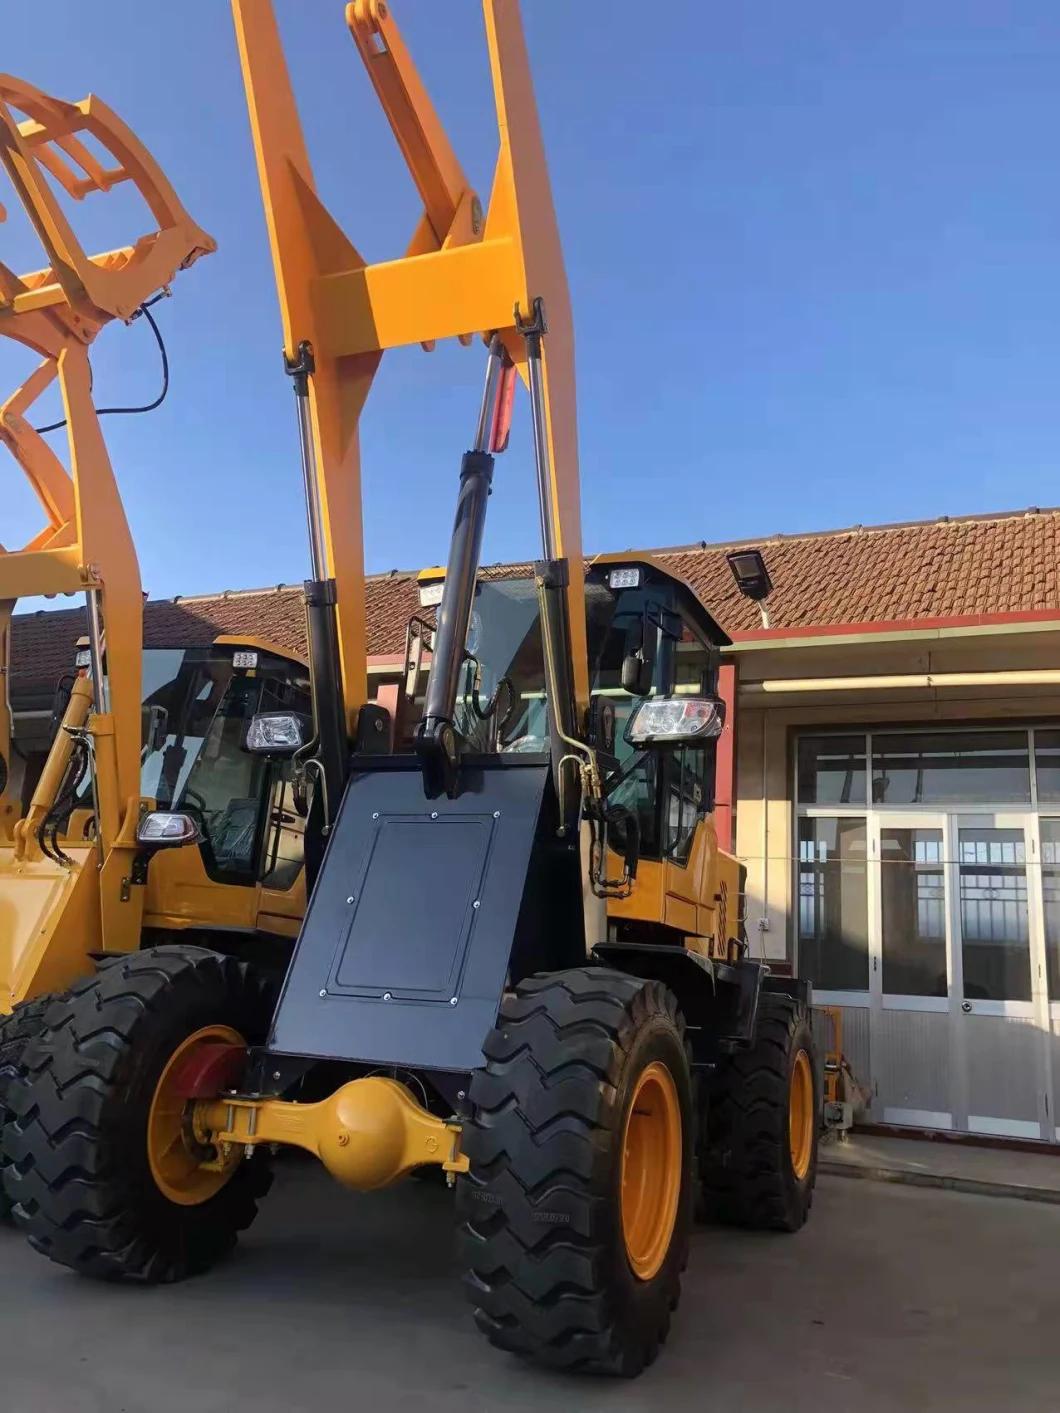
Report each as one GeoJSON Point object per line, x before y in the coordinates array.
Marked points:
{"type": "Point", "coordinates": [148, 752]}
{"type": "Point", "coordinates": [522, 961]}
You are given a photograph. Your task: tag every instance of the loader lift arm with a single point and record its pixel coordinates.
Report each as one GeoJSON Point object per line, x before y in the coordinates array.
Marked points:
{"type": "Point", "coordinates": [464, 274]}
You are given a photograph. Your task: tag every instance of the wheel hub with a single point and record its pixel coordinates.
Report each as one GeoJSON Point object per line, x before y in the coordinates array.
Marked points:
{"type": "Point", "coordinates": [800, 1115]}
{"type": "Point", "coordinates": [176, 1159]}
{"type": "Point", "coordinates": [652, 1154]}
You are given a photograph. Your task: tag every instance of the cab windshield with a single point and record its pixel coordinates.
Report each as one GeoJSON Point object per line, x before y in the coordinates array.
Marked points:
{"type": "Point", "coordinates": [501, 705]}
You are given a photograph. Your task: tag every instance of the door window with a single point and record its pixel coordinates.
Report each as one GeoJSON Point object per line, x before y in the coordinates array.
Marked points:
{"type": "Point", "coordinates": [995, 932]}
{"type": "Point", "coordinates": [223, 786]}
{"type": "Point", "coordinates": [913, 906]}
{"type": "Point", "coordinates": [686, 798]}
{"type": "Point", "coordinates": [833, 903]}
{"type": "Point", "coordinates": [285, 838]}
{"type": "Point", "coordinates": [1051, 903]}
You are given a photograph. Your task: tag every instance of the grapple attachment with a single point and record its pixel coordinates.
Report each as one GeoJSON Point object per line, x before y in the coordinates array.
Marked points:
{"type": "Point", "coordinates": [93, 288]}
{"type": "Point", "coordinates": [59, 909]}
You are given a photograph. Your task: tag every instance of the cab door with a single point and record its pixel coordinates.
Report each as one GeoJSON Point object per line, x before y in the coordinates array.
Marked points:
{"type": "Point", "coordinates": [685, 845]}
{"type": "Point", "coordinates": [282, 890]}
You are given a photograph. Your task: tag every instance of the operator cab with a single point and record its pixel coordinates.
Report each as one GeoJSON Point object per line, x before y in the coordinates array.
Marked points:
{"type": "Point", "coordinates": [199, 702]}
{"type": "Point", "coordinates": [196, 706]}
{"type": "Point", "coordinates": [649, 638]}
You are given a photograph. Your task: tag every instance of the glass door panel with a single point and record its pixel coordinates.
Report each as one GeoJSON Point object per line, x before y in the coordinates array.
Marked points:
{"type": "Point", "coordinates": [1050, 858]}
{"type": "Point", "coordinates": [1050, 837]}
{"type": "Point", "coordinates": [913, 907]}
{"type": "Point", "coordinates": [911, 1028]}
{"type": "Point", "coordinates": [1000, 1041]}
{"type": "Point", "coordinates": [994, 914]}
{"type": "Point", "coordinates": [833, 908]}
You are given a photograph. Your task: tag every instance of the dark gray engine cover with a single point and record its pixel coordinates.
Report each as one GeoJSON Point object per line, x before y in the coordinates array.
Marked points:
{"type": "Point", "coordinates": [404, 951]}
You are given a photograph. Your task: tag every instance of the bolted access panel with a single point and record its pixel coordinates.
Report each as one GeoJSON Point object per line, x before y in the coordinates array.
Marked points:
{"type": "Point", "coordinates": [404, 951]}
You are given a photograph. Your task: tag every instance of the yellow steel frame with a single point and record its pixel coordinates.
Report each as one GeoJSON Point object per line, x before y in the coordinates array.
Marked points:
{"type": "Point", "coordinates": [465, 272]}
{"type": "Point", "coordinates": [84, 543]}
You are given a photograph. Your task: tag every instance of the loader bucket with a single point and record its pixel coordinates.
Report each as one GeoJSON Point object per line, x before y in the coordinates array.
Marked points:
{"type": "Point", "coordinates": [48, 913]}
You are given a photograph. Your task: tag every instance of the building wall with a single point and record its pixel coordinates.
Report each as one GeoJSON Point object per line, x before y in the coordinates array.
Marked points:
{"type": "Point", "coordinates": [898, 1052]}
{"type": "Point", "coordinates": [769, 722]}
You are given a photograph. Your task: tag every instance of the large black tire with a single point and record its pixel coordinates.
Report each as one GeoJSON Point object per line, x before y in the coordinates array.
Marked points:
{"type": "Point", "coordinates": [24, 1024]}
{"type": "Point", "coordinates": [747, 1174]}
{"type": "Point", "coordinates": [78, 1172]}
{"type": "Point", "coordinates": [541, 1236]}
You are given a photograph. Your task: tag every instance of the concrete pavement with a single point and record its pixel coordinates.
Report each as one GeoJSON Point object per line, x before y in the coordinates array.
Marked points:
{"type": "Point", "coordinates": [893, 1298]}
{"type": "Point", "coordinates": [964, 1167]}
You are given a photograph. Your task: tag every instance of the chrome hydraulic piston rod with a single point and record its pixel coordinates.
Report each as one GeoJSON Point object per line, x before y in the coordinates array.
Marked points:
{"type": "Point", "coordinates": [329, 717]}
{"type": "Point", "coordinates": [436, 738]}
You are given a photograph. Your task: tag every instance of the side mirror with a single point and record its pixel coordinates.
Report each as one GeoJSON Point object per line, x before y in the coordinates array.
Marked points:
{"type": "Point", "coordinates": [154, 728]}
{"type": "Point", "coordinates": [278, 734]}
{"type": "Point", "coordinates": [637, 672]}
{"type": "Point", "coordinates": [675, 721]}
{"type": "Point", "coordinates": [164, 829]}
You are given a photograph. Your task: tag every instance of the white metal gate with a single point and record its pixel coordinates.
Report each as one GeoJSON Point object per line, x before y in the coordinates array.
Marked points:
{"type": "Point", "coordinates": [961, 1031]}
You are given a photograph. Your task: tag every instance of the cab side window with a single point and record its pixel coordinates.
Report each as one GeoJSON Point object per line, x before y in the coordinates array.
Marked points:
{"type": "Point", "coordinates": [687, 798]}
{"type": "Point", "coordinates": [285, 839]}
{"type": "Point", "coordinates": [224, 784]}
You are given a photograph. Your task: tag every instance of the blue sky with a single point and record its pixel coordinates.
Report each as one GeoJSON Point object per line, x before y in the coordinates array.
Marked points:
{"type": "Point", "coordinates": [814, 254]}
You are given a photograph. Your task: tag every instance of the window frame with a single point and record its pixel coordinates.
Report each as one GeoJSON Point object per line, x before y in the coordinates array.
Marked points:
{"type": "Point", "coordinates": [676, 771]}
{"type": "Point", "coordinates": [870, 810]}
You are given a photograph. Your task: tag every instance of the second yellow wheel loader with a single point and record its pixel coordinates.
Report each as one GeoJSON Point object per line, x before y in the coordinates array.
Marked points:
{"type": "Point", "coordinates": [148, 752]}
{"type": "Point", "coordinates": [522, 961]}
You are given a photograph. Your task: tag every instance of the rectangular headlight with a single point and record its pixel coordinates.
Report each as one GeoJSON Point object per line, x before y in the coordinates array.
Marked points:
{"type": "Point", "coordinates": [279, 733]}
{"type": "Point", "coordinates": [166, 828]}
{"type": "Point", "coordinates": [624, 578]}
{"type": "Point", "coordinates": [675, 720]}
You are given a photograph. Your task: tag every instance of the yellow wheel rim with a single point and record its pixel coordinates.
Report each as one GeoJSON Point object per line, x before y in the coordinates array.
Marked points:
{"type": "Point", "coordinates": [652, 1154]}
{"type": "Point", "coordinates": [175, 1158]}
{"type": "Point", "coordinates": [800, 1115]}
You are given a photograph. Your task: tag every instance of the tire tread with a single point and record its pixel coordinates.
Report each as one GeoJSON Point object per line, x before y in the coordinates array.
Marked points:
{"type": "Point", "coordinates": [67, 1171]}
{"type": "Point", "coordinates": [536, 1217]}
{"type": "Point", "coordinates": [744, 1155]}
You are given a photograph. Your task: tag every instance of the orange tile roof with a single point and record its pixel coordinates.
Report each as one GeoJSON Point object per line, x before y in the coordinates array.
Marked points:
{"type": "Point", "coordinates": [950, 568]}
